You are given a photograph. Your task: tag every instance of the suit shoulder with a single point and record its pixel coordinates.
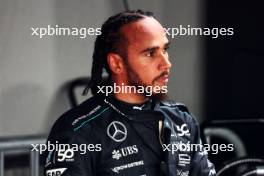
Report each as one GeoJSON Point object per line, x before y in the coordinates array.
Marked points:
{"type": "Point", "coordinates": [79, 115]}
{"type": "Point", "coordinates": [172, 104]}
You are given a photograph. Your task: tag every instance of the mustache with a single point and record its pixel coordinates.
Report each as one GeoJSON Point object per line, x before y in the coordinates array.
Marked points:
{"type": "Point", "coordinates": [165, 73]}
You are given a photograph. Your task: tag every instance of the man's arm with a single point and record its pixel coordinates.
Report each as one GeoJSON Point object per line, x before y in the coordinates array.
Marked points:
{"type": "Point", "coordinates": [200, 165]}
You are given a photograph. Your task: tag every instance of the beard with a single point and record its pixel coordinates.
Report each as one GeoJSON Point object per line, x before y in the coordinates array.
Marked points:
{"type": "Point", "coordinates": [135, 80]}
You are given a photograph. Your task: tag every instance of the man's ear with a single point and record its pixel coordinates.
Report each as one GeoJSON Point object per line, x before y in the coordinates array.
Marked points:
{"type": "Point", "coordinates": [115, 63]}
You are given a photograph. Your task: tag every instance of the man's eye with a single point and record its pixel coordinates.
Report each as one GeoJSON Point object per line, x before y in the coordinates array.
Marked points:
{"type": "Point", "coordinates": [150, 53]}
{"type": "Point", "coordinates": [165, 50]}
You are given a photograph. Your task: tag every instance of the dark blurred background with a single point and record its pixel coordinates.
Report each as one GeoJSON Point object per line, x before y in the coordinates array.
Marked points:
{"type": "Point", "coordinates": [234, 86]}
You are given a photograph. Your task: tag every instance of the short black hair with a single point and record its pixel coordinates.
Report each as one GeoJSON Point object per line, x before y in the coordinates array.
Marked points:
{"type": "Point", "coordinates": [110, 40]}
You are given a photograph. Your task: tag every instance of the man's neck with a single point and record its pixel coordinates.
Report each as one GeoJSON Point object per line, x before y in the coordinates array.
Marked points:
{"type": "Point", "coordinates": [131, 98]}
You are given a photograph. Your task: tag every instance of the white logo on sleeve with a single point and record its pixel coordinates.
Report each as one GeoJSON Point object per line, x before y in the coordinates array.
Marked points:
{"type": "Point", "coordinates": [182, 173]}
{"type": "Point", "coordinates": [183, 130]}
{"type": "Point", "coordinates": [212, 172]}
{"type": "Point", "coordinates": [55, 172]}
{"type": "Point", "coordinates": [184, 159]}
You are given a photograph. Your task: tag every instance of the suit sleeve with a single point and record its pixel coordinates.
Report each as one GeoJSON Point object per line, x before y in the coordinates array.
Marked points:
{"type": "Point", "coordinates": [200, 165]}
{"type": "Point", "coordinates": [68, 155]}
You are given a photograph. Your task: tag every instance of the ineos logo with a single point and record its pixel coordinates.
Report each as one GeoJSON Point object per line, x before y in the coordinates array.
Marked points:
{"type": "Point", "coordinates": [117, 131]}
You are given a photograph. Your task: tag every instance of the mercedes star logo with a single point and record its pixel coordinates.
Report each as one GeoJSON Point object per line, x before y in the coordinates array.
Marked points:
{"type": "Point", "coordinates": [117, 131]}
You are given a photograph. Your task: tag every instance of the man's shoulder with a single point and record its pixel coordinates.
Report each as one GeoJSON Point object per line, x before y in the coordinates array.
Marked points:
{"type": "Point", "coordinates": [80, 116]}
{"type": "Point", "coordinates": [171, 104]}
{"type": "Point", "coordinates": [177, 111]}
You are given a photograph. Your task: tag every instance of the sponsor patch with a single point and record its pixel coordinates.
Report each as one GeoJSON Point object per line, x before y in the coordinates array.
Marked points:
{"type": "Point", "coordinates": [117, 131]}
{"type": "Point", "coordinates": [127, 166]}
{"type": "Point", "coordinates": [182, 173]}
{"type": "Point", "coordinates": [123, 152]}
{"type": "Point", "coordinates": [55, 172]}
{"type": "Point", "coordinates": [65, 155]}
{"type": "Point", "coordinates": [184, 159]}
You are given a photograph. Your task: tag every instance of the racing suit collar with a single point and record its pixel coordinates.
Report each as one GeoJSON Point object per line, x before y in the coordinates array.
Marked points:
{"type": "Point", "coordinates": [148, 110]}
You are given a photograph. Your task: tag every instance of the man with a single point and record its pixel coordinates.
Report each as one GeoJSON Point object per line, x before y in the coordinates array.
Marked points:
{"type": "Point", "coordinates": [133, 132]}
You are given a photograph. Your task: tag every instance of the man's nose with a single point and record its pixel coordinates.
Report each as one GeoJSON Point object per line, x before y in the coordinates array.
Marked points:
{"type": "Point", "coordinates": [165, 63]}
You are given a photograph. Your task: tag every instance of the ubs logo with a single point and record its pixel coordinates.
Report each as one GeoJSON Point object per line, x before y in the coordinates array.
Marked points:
{"type": "Point", "coordinates": [130, 150]}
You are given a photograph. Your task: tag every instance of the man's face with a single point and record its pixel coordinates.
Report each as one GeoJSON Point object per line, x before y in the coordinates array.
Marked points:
{"type": "Point", "coordinates": [147, 58]}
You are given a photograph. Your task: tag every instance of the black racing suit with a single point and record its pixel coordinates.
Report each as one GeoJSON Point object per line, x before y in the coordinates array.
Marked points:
{"type": "Point", "coordinates": [105, 136]}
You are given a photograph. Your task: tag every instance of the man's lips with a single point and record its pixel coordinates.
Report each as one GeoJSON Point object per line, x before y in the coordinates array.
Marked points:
{"type": "Point", "coordinates": [163, 78]}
